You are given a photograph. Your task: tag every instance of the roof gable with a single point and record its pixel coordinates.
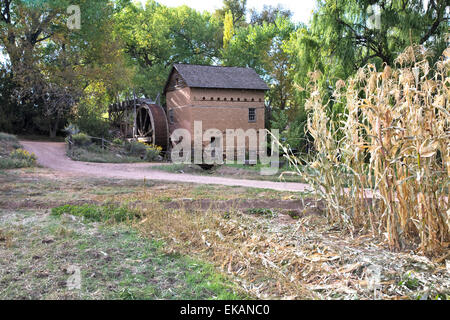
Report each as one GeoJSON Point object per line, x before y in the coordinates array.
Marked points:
{"type": "Point", "coordinates": [198, 76]}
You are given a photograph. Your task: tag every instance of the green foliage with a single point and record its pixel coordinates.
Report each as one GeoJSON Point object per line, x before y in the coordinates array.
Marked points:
{"type": "Point", "coordinates": [18, 158]}
{"type": "Point", "coordinates": [22, 154]}
{"type": "Point", "coordinates": [12, 118]}
{"type": "Point", "coordinates": [346, 35]}
{"type": "Point", "coordinates": [292, 132]}
{"type": "Point", "coordinates": [135, 148]}
{"type": "Point", "coordinates": [51, 65]}
{"type": "Point", "coordinates": [72, 129]}
{"type": "Point", "coordinates": [157, 36]}
{"type": "Point", "coordinates": [238, 10]}
{"type": "Point", "coordinates": [152, 153]}
{"type": "Point", "coordinates": [92, 213]}
{"type": "Point", "coordinates": [118, 141]}
{"type": "Point", "coordinates": [81, 139]}
{"type": "Point", "coordinates": [262, 212]}
{"type": "Point", "coordinates": [94, 153]}
{"type": "Point", "coordinates": [408, 280]}
{"type": "Point", "coordinates": [93, 124]}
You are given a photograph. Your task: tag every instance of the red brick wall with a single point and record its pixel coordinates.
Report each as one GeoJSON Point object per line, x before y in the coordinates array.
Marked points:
{"type": "Point", "coordinates": [217, 108]}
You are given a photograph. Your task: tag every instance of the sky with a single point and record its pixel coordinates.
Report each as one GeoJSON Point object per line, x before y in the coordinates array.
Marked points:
{"type": "Point", "coordinates": [301, 9]}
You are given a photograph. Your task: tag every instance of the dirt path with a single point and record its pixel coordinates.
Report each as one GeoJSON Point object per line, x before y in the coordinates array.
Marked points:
{"type": "Point", "coordinates": [52, 155]}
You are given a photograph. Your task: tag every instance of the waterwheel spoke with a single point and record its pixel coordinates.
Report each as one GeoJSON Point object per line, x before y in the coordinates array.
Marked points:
{"type": "Point", "coordinates": [145, 120]}
{"type": "Point", "coordinates": [149, 128]}
{"type": "Point", "coordinates": [139, 128]}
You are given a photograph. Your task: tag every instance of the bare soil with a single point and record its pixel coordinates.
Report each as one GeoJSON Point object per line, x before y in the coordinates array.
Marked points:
{"type": "Point", "coordinates": [52, 155]}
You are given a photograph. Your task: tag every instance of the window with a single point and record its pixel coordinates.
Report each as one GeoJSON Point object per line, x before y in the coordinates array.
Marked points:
{"type": "Point", "coordinates": [204, 98]}
{"type": "Point", "coordinates": [171, 117]}
{"type": "Point", "coordinates": [252, 115]}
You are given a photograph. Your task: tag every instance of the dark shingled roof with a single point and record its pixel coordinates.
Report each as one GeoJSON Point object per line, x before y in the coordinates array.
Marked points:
{"type": "Point", "coordinates": [198, 76]}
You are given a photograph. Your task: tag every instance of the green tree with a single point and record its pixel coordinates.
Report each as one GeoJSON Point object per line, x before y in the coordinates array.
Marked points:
{"type": "Point", "coordinates": [269, 14]}
{"type": "Point", "coordinates": [346, 35]}
{"type": "Point", "coordinates": [156, 36]}
{"type": "Point", "coordinates": [52, 64]}
{"type": "Point", "coordinates": [238, 9]}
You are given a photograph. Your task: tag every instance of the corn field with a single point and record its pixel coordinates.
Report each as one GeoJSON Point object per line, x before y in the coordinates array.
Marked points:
{"type": "Point", "coordinates": [383, 165]}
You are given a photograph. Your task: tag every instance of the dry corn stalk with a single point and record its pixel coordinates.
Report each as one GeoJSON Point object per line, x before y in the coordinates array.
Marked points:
{"type": "Point", "coordinates": [392, 144]}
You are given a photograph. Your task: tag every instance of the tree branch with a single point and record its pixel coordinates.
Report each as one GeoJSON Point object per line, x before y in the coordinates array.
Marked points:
{"type": "Point", "coordinates": [435, 26]}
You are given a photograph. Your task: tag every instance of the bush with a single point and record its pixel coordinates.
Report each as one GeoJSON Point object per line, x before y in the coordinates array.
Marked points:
{"type": "Point", "coordinates": [93, 125]}
{"type": "Point", "coordinates": [24, 155]}
{"type": "Point", "coordinates": [118, 141]}
{"type": "Point", "coordinates": [7, 137]}
{"type": "Point", "coordinates": [136, 148]}
{"type": "Point", "coordinates": [18, 159]}
{"type": "Point", "coordinates": [8, 163]}
{"type": "Point", "coordinates": [72, 129]}
{"type": "Point", "coordinates": [149, 152]}
{"type": "Point", "coordinates": [81, 140]}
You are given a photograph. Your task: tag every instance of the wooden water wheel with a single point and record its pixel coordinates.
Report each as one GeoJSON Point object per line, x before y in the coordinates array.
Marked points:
{"type": "Point", "coordinates": [145, 124]}
{"type": "Point", "coordinates": [151, 124]}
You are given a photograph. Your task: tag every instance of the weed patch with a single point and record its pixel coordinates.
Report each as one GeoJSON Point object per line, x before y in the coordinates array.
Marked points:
{"type": "Point", "coordinates": [265, 212]}
{"type": "Point", "coordinates": [92, 213]}
{"type": "Point", "coordinates": [11, 154]}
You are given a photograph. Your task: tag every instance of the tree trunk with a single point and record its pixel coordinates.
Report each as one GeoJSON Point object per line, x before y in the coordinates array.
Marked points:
{"type": "Point", "coordinates": [53, 128]}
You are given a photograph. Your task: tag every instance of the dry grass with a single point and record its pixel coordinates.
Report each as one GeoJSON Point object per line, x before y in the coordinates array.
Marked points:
{"type": "Point", "coordinates": [391, 144]}
{"type": "Point", "coordinates": [276, 258]}
{"type": "Point", "coordinates": [267, 255]}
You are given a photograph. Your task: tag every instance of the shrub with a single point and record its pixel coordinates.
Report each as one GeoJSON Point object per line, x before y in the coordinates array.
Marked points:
{"type": "Point", "coordinates": [18, 159]}
{"type": "Point", "coordinates": [92, 123]}
{"type": "Point", "coordinates": [28, 158]}
{"type": "Point", "coordinates": [72, 129]}
{"type": "Point", "coordinates": [136, 148]}
{"type": "Point", "coordinates": [81, 140]}
{"type": "Point", "coordinates": [153, 152]}
{"type": "Point", "coordinates": [118, 141]}
{"type": "Point", "coordinates": [7, 137]}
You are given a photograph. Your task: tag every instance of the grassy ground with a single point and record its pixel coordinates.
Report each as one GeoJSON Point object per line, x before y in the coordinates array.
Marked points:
{"type": "Point", "coordinates": [39, 252]}
{"type": "Point", "coordinates": [97, 154]}
{"type": "Point", "coordinates": [180, 241]}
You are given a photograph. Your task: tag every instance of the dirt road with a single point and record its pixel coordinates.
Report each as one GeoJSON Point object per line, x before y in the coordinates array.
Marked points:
{"type": "Point", "coordinates": [52, 155]}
